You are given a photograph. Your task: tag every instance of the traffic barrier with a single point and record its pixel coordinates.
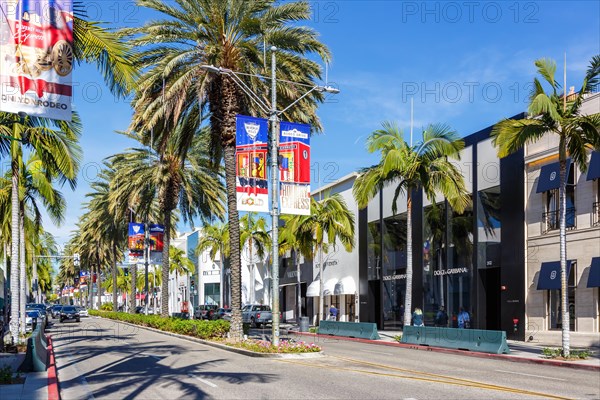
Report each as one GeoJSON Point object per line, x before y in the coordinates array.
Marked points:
{"type": "Point", "coordinates": [484, 341]}
{"type": "Point", "coordinates": [364, 330]}
{"type": "Point", "coordinates": [36, 354]}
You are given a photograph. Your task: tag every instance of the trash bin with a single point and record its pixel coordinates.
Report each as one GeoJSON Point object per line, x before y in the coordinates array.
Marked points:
{"type": "Point", "coordinates": [303, 324]}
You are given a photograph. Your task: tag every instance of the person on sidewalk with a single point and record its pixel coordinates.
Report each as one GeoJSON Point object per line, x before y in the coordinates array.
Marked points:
{"type": "Point", "coordinates": [464, 320]}
{"type": "Point", "coordinates": [333, 312]}
{"type": "Point", "coordinates": [441, 318]}
{"type": "Point", "coordinates": [417, 317]}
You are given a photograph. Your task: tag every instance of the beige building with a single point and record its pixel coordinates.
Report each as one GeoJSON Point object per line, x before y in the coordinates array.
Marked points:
{"type": "Point", "coordinates": [543, 310]}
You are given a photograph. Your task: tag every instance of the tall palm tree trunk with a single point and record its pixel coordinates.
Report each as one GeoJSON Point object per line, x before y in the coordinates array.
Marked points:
{"type": "Point", "coordinates": [164, 287]}
{"type": "Point", "coordinates": [298, 287]}
{"type": "Point", "coordinates": [252, 276]}
{"type": "Point", "coordinates": [114, 279]}
{"type": "Point", "coordinates": [133, 277]}
{"type": "Point", "coordinates": [91, 288]}
{"type": "Point", "coordinates": [236, 331]}
{"type": "Point", "coordinates": [222, 279]}
{"type": "Point", "coordinates": [35, 281]}
{"type": "Point", "coordinates": [563, 251]}
{"type": "Point", "coordinates": [14, 257]}
{"type": "Point", "coordinates": [22, 272]}
{"type": "Point", "coordinates": [409, 266]}
{"type": "Point", "coordinates": [321, 284]}
{"type": "Point", "coordinates": [99, 285]}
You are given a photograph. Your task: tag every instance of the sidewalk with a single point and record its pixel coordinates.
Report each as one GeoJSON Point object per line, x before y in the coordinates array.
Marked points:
{"type": "Point", "coordinates": [519, 351]}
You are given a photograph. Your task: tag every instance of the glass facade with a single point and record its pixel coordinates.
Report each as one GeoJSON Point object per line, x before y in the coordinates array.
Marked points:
{"type": "Point", "coordinates": [394, 270]}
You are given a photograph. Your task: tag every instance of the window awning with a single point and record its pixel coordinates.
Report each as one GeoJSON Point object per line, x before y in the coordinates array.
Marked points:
{"type": "Point", "coordinates": [594, 167]}
{"type": "Point", "coordinates": [328, 288]}
{"type": "Point", "coordinates": [594, 276]}
{"type": "Point", "coordinates": [346, 285]}
{"type": "Point", "coordinates": [550, 176]}
{"type": "Point", "coordinates": [549, 278]}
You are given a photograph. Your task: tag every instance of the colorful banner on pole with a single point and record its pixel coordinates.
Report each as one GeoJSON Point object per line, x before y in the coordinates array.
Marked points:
{"type": "Point", "coordinates": [137, 235]}
{"type": "Point", "coordinates": [36, 43]}
{"type": "Point", "coordinates": [294, 168]}
{"type": "Point", "coordinates": [157, 233]}
{"type": "Point", "coordinates": [251, 164]}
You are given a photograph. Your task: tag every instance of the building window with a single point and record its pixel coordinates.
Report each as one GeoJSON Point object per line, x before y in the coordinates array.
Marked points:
{"type": "Point", "coordinates": [551, 217]}
{"type": "Point", "coordinates": [211, 293]}
{"type": "Point", "coordinates": [554, 303]}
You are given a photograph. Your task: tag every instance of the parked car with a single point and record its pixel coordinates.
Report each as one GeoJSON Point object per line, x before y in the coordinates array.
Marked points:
{"type": "Point", "coordinates": [205, 311]}
{"type": "Point", "coordinates": [69, 313]}
{"type": "Point", "coordinates": [257, 315]}
{"type": "Point", "coordinates": [32, 318]}
{"type": "Point", "coordinates": [55, 310]}
{"type": "Point", "coordinates": [223, 313]}
{"type": "Point", "coordinates": [83, 312]}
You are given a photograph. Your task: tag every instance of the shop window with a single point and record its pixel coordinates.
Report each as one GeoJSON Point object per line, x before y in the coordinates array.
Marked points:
{"type": "Point", "coordinates": [211, 293]}
{"type": "Point", "coordinates": [554, 303]}
{"type": "Point", "coordinates": [551, 216]}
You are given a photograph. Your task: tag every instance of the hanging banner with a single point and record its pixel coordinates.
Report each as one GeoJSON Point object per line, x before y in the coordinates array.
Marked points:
{"type": "Point", "coordinates": [251, 164]}
{"type": "Point", "coordinates": [294, 168]}
{"type": "Point", "coordinates": [36, 43]}
{"type": "Point", "coordinates": [136, 239]}
{"type": "Point", "coordinates": [157, 233]}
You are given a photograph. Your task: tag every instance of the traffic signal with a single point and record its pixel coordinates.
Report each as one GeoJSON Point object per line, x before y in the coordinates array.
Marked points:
{"type": "Point", "coordinates": [193, 284]}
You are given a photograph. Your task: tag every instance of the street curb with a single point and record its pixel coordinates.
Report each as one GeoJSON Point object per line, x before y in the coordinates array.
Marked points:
{"type": "Point", "coordinates": [223, 346]}
{"type": "Point", "coordinates": [53, 392]}
{"type": "Point", "coordinates": [555, 363]}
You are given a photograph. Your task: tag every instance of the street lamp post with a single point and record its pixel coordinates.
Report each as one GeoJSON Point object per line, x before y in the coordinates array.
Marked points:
{"type": "Point", "coordinates": [273, 141]}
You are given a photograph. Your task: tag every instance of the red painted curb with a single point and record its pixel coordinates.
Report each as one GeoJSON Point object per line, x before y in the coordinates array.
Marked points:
{"type": "Point", "coordinates": [53, 393]}
{"type": "Point", "coordinates": [467, 353]}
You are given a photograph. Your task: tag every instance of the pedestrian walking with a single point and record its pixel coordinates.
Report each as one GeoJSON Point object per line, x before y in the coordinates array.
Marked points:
{"type": "Point", "coordinates": [464, 320]}
{"type": "Point", "coordinates": [441, 318]}
{"type": "Point", "coordinates": [333, 312]}
{"type": "Point", "coordinates": [417, 317]}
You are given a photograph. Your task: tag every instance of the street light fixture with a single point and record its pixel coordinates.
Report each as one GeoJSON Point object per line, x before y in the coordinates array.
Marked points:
{"type": "Point", "coordinates": [273, 139]}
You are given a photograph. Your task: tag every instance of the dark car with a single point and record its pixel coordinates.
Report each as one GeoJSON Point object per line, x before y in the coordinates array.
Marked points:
{"type": "Point", "coordinates": [69, 313]}
{"type": "Point", "coordinates": [55, 310]}
{"type": "Point", "coordinates": [223, 313]}
{"type": "Point", "coordinates": [205, 311]}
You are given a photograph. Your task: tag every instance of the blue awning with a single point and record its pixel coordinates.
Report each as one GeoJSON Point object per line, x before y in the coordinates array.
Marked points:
{"type": "Point", "coordinates": [549, 278]}
{"type": "Point", "coordinates": [550, 176]}
{"type": "Point", "coordinates": [594, 276]}
{"type": "Point", "coordinates": [594, 167]}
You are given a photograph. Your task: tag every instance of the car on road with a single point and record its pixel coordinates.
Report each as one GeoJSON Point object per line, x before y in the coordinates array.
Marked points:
{"type": "Point", "coordinates": [83, 312]}
{"type": "Point", "coordinates": [69, 313]}
{"type": "Point", "coordinates": [223, 313]}
{"type": "Point", "coordinates": [257, 315]}
{"type": "Point", "coordinates": [205, 311]}
{"type": "Point", "coordinates": [55, 310]}
{"type": "Point", "coordinates": [32, 318]}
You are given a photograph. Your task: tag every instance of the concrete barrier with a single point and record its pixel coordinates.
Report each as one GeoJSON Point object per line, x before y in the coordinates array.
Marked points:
{"type": "Point", "coordinates": [364, 330]}
{"type": "Point", "coordinates": [36, 356]}
{"type": "Point", "coordinates": [480, 340]}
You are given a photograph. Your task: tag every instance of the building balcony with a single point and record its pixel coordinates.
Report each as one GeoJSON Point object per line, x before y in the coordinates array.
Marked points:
{"type": "Point", "coordinates": [551, 220]}
{"type": "Point", "coordinates": [596, 214]}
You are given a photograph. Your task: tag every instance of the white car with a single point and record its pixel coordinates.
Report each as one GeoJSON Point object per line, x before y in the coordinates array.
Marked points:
{"type": "Point", "coordinates": [31, 320]}
{"type": "Point", "coordinates": [82, 312]}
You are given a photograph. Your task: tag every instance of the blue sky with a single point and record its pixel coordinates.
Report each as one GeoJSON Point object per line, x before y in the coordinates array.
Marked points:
{"type": "Point", "coordinates": [467, 64]}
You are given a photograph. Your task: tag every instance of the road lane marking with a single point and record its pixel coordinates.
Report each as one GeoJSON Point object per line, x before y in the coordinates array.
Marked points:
{"type": "Point", "coordinates": [535, 376]}
{"type": "Point", "coordinates": [377, 352]}
{"type": "Point", "coordinates": [203, 380]}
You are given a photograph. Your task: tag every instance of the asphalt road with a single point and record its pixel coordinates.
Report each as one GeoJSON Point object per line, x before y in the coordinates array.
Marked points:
{"type": "Point", "coordinates": [98, 358]}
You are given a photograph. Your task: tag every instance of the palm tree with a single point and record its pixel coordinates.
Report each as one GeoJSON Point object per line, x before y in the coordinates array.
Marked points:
{"type": "Point", "coordinates": [179, 263]}
{"type": "Point", "coordinates": [176, 176]}
{"type": "Point", "coordinates": [550, 112]}
{"type": "Point", "coordinates": [215, 239]}
{"type": "Point", "coordinates": [424, 165]}
{"type": "Point", "coordinates": [234, 34]}
{"type": "Point", "coordinates": [290, 240]}
{"type": "Point", "coordinates": [329, 221]}
{"type": "Point", "coordinates": [253, 233]}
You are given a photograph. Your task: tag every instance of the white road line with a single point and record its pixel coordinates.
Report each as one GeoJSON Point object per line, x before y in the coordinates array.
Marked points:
{"type": "Point", "coordinates": [535, 376]}
{"type": "Point", "coordinates": [377, 352]}
{"type": "Point", "coordinates": [203, 381]}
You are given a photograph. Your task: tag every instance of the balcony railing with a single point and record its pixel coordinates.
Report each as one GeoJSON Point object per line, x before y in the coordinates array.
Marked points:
{"type": "Point", "coordinates": [551, 220]}
{"type": "Point", "coordinates": [596, 214]}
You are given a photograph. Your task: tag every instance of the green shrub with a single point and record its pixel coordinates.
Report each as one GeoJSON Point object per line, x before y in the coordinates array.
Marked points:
{"type": "Point", "coordinates": [106, 307]}
{"type": "Point", "coordinates": [313, 329]}
{"type": "Point", "coordinates": [195, 328]}
{"type": "Point", "coordinates": [573, 354]}
{"type": "Point", "coordinates": [285, 346]}
{"type": "Point", "coordinates": [5, 375]}
{"type": "Point", "coordinates": [398, 338]}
